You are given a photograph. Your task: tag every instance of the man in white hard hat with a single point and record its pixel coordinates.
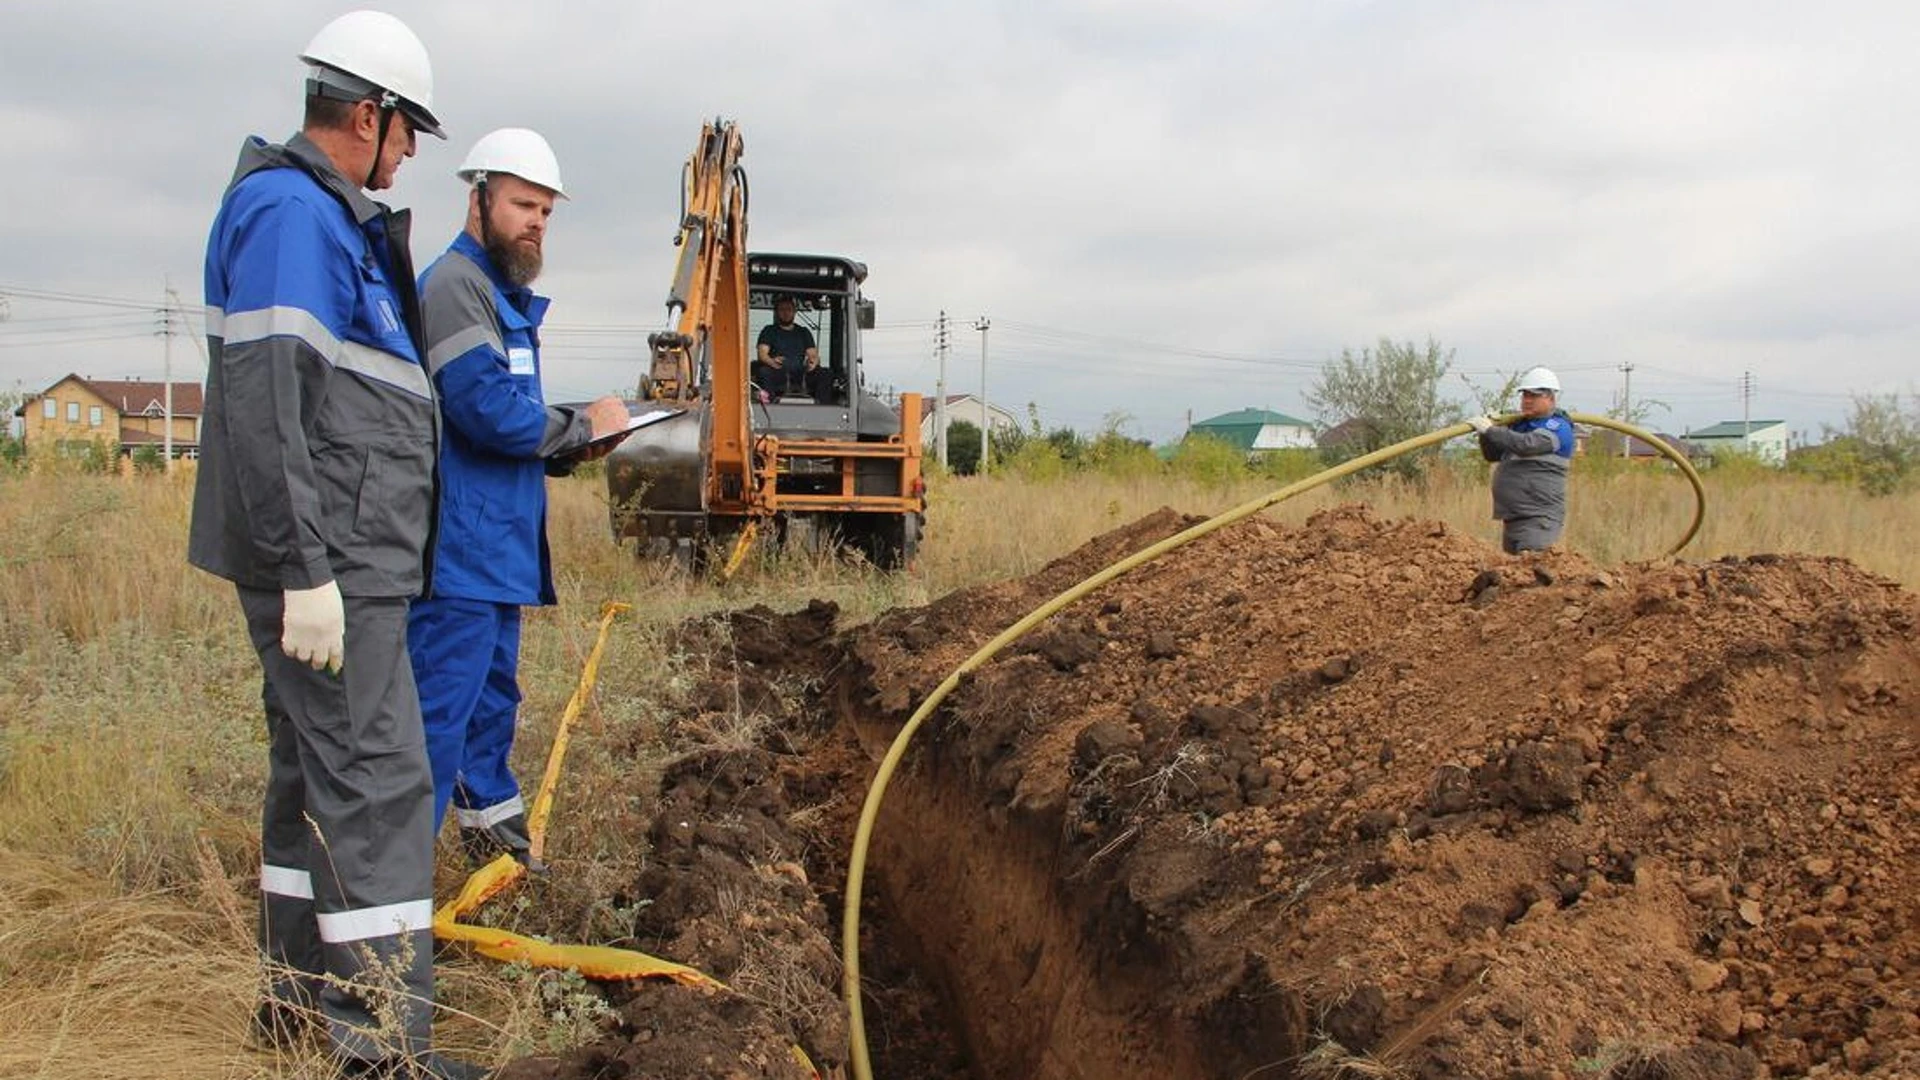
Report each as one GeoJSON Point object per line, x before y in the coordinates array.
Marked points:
{"type": "Point", "coordinates": [314, 497]}
{"type": "Point", "coordinates": [1532, 456]}
{"type": "Point", "coordinates": [499, 442]}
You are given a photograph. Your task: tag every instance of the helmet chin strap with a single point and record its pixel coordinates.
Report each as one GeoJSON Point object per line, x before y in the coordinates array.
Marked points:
{"type": "Point", "coordinates": [389, 101]}
{"type": "Point", "coordinates": [486, 210]}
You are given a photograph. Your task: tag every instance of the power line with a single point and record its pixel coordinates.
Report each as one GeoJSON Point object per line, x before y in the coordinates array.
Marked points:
{"type": "Point", "coordinates": [27, 335]}
{"type": "Point", "coordinates": [60, 343]}
{"type": "Point", "coordinates": [54, 296]}
{"type": "Point", "coordinates": [93, 317]}
{"type": "Point", "coordinates": [1066, 337]}
{"type": "Point", "coordinates": [1061, 347]}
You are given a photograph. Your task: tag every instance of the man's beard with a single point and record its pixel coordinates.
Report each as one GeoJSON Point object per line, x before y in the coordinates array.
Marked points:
{"type": "Point", "coordinates": [520, 263]}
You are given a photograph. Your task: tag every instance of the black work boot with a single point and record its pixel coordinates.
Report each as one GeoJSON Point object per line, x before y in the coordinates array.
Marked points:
{"type": "Point", "coordinates": [508, 835]}
{"type": "Point", "coordinates": [428, 1066]}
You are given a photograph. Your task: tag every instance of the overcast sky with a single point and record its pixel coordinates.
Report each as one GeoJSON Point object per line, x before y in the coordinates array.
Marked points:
{"type": "Point", "coordinates": [1165, 209]}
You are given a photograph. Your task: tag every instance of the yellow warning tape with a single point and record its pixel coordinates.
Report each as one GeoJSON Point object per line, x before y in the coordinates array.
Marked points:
{"type": "Point", "coordinates": [550, 780]}
{"type": "Point", "coordinates": [595, 961]}
{"type": "Point", "coordinates": [741, 545]}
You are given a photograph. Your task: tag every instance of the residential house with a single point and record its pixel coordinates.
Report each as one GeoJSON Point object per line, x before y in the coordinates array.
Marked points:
{"type": "Point", "coordinates": [1607, 443]}
{"type": "Point", "coordinates": [125, 414]}
{"type": "Point", "coordinates": [1256, 431]}
{"type": "Point", "coordinates": [1763, 440]}
{"type": "Point", "coordinates": [960, 407]}
{"type": "Point", "coordinates": [1355, 429]}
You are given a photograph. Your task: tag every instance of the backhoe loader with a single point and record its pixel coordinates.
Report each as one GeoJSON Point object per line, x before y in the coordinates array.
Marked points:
{"type": "Point", "coordinates": [734, 460]}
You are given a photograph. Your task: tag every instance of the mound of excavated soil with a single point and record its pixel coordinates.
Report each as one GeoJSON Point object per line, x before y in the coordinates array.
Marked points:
{"type": "Point", "coordinates": [1370, 789]}
{"type": "Point", "coordinates": [1356, 799]}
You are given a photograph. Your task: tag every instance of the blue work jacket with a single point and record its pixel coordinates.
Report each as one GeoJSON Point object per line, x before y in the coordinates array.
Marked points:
{"type": "Point", "coordinates": [483, 351]}
{"type": "Point", "coordinates": [1533, 455]}
{"type": "Point", "coordinates": [317, 443]}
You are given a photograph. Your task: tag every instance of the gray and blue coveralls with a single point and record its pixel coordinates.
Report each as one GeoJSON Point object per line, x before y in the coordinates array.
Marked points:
{"type": "Point", "coordinates": [500, 441]}
{"type": "Point", "coordinates": [317, 465]}
{"type": "Point", "coordinates": [1530, 480]}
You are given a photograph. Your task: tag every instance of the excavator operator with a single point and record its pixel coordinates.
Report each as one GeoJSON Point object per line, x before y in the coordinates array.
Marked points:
{"type": "Point", "coordinates": [786, 361]}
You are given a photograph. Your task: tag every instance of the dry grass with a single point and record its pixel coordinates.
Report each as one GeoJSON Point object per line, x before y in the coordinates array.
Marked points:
{"type": "Point", "coordinates": [101, 981]}
{"type": "Point", "coordinates": [132, 758]}
{"type": "Point", "coordinates": [987, 528]}
{"type": "Point", "coordinates": [1331, 1061]}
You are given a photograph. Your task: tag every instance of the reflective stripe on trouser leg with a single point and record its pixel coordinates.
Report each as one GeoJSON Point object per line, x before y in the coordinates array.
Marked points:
{"type": "Point", "coordinates": [289, 939]}
{"type": "Point", "coordinates": [451, 642]}
{"type": "Point", "coordinates": [369, 810]}
{"type": "Point", "coordinates": [486, 782]}
{"type": "Point", "coordinates": [488, 816]}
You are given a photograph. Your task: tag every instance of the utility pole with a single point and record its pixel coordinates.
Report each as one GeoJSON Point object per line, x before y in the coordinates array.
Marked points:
{"type": "Point", "coordinates": [983, 324]}
{"type": "Point", "coordinates": [167, 315]}
{"type": "Point", "coordinates": [1626, 408]}
{"type": "Point", "coordinates": [1746, 411]}
{"type": "Point", "coordinates": [940, 396]}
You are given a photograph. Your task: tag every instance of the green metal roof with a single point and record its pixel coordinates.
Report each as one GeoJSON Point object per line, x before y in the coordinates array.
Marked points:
{"type": "Point", "coordinates": [1732, 429]}
{"type": "Point", "coordinates": [1255, 417]}
{"type": "Point", "coordinates": [1238, 436]}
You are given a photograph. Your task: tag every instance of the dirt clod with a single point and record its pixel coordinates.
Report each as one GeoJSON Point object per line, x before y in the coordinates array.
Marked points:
{"type": "Point", "coordinates": [1545, 777]}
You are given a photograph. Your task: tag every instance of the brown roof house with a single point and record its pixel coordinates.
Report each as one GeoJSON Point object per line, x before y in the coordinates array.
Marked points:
{"type": "Point", "coordinates": [127, 414]}
{"type": "Point", "coordinates": [1608, 444]}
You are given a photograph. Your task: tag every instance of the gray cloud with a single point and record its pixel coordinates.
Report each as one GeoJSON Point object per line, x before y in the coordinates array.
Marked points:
{"type": "Point", "coordinates": [1209, 198]}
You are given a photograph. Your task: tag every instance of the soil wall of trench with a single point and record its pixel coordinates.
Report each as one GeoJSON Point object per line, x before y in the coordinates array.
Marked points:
{"type": "Point", "coordinates": [1045, 972]}
{"type": "Point", "coordinates": [1357, 799]}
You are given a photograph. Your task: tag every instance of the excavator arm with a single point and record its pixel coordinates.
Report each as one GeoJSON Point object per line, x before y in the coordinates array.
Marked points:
{"type": "Point", "coordinates": [706, 352]}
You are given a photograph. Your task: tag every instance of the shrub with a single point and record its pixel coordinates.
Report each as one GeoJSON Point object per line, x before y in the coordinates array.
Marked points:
{"type": "Point", "coordinates": [1209, 461]}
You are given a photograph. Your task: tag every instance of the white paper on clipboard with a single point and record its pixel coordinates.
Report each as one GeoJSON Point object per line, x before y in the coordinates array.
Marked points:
{"type": "Point", "coordinates": [647, 414]}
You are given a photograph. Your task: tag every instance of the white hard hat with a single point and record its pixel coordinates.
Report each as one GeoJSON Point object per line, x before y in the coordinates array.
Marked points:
{"type": "Point", "coordinates": [1540, 379]}
{"type": "Point", "coordinates": [363, 53]}
{"type": "Point", "coordinates": [516, 152]}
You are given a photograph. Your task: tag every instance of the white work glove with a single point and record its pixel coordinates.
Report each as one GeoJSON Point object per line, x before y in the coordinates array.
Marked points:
{"type": "Point", "coordinates": [313, 629]}
{"type": "Point", "coordinates": [1480, 423]}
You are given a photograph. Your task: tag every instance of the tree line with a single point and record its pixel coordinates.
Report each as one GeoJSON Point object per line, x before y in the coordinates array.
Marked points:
{"type": "Point", "coordinates": [1391, 391]}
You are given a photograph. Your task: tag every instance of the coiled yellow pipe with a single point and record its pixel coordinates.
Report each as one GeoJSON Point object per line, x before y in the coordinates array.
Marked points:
{"type": "Point", "coordinates": [870, 810]}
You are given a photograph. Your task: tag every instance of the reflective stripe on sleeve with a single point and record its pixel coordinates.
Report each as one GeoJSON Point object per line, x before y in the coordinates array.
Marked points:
{"type": "Point", "coordinates": [238, 328]}
{"type": "Point", "coordinates": [442, 353]}
{"type": "Point", "coordinates": [489, 817]}
{"type": "Point", "coordinates": [387, 920]}
{"type": "Point", "coordinates": [382, 367]}
{"type": "Point", "coordinates": [286, 881]}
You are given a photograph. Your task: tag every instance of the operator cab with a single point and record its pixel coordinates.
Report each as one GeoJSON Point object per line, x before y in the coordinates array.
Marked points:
{"type": "Point", "coordinates": [828, 312]}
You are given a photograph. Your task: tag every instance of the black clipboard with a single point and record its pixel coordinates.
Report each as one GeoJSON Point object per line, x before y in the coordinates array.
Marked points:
{"type": "Point", "coordinates": [639, 414]}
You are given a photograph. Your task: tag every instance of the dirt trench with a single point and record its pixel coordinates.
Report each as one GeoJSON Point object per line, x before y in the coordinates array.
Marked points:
{"type": "Point", "coordinates": [1357, 799]}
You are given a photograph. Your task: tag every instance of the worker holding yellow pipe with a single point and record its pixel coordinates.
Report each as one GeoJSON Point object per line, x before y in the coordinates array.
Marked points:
{"type": "Point", "coordinates": [1531, 458]}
